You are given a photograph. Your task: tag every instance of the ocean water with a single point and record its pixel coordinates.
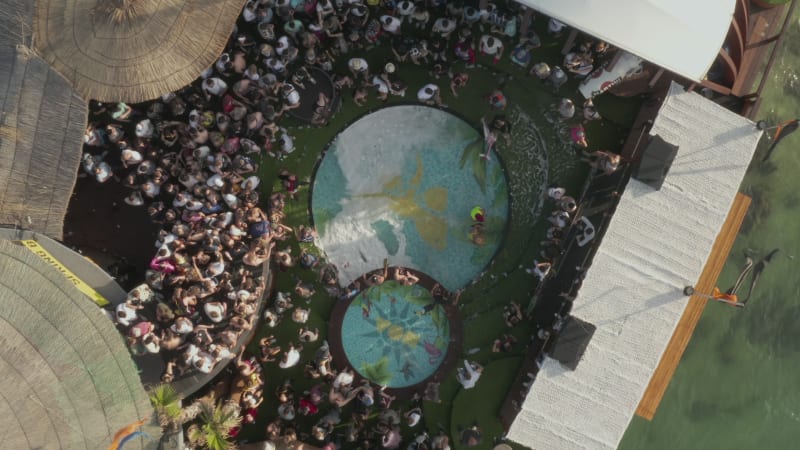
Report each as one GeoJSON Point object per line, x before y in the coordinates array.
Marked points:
{"type": "Point", "coordinates": [399, 184]}
{"type": "Point", "coordinates": [737, 386]}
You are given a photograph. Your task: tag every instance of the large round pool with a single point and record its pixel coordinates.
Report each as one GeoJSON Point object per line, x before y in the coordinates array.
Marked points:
{"type": "Point", "coordinates": [399, 185]}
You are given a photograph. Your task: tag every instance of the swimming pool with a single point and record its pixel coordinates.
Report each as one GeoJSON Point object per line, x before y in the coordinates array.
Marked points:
{"type": "Point", "coordinates": [391, 338]}
{"type": "Point", "coordinates": [399, 184]}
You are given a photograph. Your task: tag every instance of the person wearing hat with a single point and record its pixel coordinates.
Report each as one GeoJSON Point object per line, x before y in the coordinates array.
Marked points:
{"type": "Point", "coordinates": [382, 82]}
{"type": "Point", "coordinates": [358, 66]}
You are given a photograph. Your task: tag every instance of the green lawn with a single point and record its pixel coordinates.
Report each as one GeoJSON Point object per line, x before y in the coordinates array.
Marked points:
{"type": "Point", "coordinates": [503, 282]}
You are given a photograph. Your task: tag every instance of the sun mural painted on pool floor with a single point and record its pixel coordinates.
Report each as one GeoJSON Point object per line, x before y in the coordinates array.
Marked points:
{"type": "Point", "coordinates": [395, 335]}
{"type": "Point", "coordinates": [400, 183]}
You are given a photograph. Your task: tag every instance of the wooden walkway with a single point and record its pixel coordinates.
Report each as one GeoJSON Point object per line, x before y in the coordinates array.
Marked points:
{"type": "Point", "coordinates": [694, 310]}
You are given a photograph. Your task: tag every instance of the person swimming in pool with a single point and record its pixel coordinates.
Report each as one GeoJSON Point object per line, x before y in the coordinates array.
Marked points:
{"type": "Point", "coordinates": [478, 214]}
{"type": "Point", "coordinates": [476, 234]}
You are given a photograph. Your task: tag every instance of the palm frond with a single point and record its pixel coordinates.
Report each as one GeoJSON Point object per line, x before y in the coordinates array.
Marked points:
{"type": "Point", "coordinates": [166, 402]}
{"type": "Point", "coordinates": [218, 419]}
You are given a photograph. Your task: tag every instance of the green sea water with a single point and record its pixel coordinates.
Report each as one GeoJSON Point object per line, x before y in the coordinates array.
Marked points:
{"type": "Point", "coordinates": [738, 384]}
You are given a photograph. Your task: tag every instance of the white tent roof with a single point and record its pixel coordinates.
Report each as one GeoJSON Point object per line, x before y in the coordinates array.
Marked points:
{"type": "Point", "coordinates": [683, 36]}
{"type": "Point", "coordinates": [657, 243]}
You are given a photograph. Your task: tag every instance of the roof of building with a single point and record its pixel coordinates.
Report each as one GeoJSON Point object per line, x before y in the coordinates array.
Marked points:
{"type": "Point", "coordinates": [68, 380]}
{"type": "Point", "coordinates": [42, 120]}
{"type": "Point", "coordinates": [683, 36]}
{"type": "Point", "coordinates": [657, 243]}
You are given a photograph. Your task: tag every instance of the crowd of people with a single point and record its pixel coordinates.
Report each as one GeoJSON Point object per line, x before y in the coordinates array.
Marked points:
{"type": "Point", "coordinates": [190, 159]}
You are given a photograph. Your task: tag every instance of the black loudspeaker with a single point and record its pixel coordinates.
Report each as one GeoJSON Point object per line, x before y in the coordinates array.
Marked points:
{"type": "Point", "coordinates": [571, 342]}
{"type": "Point", "coordinates": [655, 163]}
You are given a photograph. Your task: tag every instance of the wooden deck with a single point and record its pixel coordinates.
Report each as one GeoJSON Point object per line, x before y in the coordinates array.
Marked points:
{"type": "Point", "coordinates": [694, 310]}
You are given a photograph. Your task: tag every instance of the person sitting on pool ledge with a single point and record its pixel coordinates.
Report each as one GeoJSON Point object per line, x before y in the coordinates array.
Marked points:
{"type": "Point", "coordinates": [404, 277]}
{"type": "Point", "coordinates": [376, 278]}
{"type": "Point", "coordinates": [440, 297]}
{"type": "Point", "coordinates": [352, 292]}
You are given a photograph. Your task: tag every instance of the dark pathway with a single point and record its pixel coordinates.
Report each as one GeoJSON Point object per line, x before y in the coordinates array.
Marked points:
{"type": "Point", "coordinates": [103, 227]}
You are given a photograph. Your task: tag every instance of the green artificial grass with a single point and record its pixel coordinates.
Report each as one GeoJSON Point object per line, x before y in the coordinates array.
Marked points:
{"type": "Point", "coordinates": [481, 407]}
{"type": "Point", "coordinates": [481, 304]}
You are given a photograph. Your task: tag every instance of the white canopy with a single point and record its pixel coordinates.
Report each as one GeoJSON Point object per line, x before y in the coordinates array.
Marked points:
{"type": "Point", "coordinates": [683, 36]}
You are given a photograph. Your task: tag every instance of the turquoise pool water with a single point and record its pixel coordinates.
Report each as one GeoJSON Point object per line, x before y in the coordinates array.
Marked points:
{"type": "Point", "coordinates": [389, 337]}
{"type": "Point", "coordinates": [399, 184]}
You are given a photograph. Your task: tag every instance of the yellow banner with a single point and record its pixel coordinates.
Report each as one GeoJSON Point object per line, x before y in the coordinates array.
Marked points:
{"type": "Point", "coordinates": [39, 251]}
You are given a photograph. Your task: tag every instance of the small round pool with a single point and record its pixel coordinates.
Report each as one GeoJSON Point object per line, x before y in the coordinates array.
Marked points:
{"type": "Point", "coordinates": [399, 185]}
{"type": "Point", "coordinates": [395, 335]}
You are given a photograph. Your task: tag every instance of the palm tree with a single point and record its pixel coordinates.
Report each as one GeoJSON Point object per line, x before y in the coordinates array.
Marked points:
{"type": "Point", "coordinates": [167, 403]}
{"type": "Point", "coordinates": [217, 419]}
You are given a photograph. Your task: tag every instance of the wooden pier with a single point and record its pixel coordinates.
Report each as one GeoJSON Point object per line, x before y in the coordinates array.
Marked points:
{"type": "Point", "coordinates": [694, 310]}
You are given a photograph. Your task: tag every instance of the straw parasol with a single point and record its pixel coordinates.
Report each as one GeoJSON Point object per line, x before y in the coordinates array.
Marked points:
{"type": "Point", "coordinates": [132, 50]}
{"type": "Point", "coordinates": [41, 128]}
{"type": "Point", "coordinates": [66, 377]}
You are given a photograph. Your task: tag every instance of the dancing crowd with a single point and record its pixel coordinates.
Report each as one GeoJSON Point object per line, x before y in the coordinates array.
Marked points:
{"type": "Point", "coordinates": [191, 159]}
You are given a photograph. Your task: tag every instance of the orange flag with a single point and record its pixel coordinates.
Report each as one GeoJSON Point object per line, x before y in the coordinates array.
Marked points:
{"type": "Point", "coordinates": [123, 433]}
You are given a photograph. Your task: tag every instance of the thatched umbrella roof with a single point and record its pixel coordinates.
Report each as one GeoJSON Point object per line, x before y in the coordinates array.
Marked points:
{"type": "Point", "coordinates": [66, 378]}
{"type": "Point", "coordinates": [41, 130]}
{"type": "Point", "coordinates": [152, 48]}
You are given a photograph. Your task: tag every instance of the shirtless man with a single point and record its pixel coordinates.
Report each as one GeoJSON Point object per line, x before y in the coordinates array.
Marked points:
{"type": "Point", "coordinates": [376, 278]}
{"type": "Point", "coordinates": [404, 277]}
